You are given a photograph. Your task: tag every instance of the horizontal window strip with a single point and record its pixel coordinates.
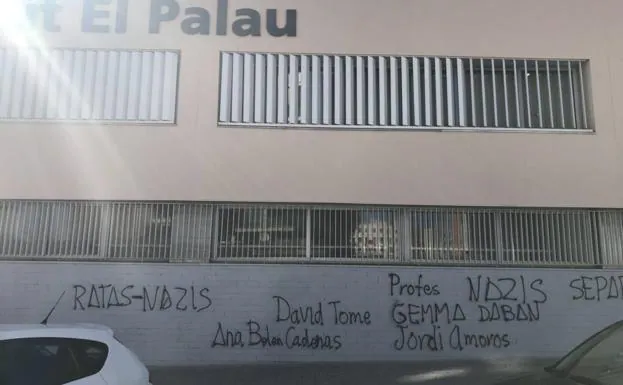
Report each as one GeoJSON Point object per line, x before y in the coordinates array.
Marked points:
{"type": "Point", "coordinates": [88, 85]}
{"type": "Point", "coordinates": [402, 91]}
{"type": "Point", "coordinates": [262, 233]}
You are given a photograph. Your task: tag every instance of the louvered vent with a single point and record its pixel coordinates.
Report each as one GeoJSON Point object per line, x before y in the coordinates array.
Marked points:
{"type": "Point", "coordinates": [401, 91]}
{"type": "Point", "coordinates": [88, 85]}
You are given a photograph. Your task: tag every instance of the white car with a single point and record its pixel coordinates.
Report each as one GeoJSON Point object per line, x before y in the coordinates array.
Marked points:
{"type": "Point", "coordinates": [76, 354]}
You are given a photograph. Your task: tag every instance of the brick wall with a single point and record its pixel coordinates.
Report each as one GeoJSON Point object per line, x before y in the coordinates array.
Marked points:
{"type": "Point", "coordinates": [195, 315]}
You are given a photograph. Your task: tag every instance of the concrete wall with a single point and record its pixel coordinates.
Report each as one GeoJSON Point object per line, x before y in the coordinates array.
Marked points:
{"type": "Point", "coordinates": [196, 315]}
{"type": "Point", "coordinates": [197, 160]}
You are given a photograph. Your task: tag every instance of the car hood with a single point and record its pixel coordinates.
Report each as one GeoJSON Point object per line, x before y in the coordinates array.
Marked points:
{"type": "Point", "coordinates": [537, 378]}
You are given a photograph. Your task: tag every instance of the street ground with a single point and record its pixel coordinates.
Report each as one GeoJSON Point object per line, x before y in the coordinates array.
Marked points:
{"type": "Point", "coordinates": [366, 373]}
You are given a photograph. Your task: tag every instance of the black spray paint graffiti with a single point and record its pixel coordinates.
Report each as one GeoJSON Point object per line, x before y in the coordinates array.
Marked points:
{"type": "Point", "coordinates": [315, 315]}
{"type": "Point", "coordinates": [150, 298]}
{"type": "Point", "coordinates": [507, 299]}
{"type": "Point", "coordinates": [303, 324]}
{"type": "Point", "coordinates": [419, 323]}
{"type": "Point", "coordinates": [597, 288]}
{"type": "Point", "coordinates": [260, 335]}
{"type": "Point", "coordinates": [436, 326]}
{"type": "Point", "coordinates": [418, 288]}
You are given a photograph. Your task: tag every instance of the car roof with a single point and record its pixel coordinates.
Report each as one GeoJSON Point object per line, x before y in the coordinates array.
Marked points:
{"type": "Point", "coordinates": [82, 331]}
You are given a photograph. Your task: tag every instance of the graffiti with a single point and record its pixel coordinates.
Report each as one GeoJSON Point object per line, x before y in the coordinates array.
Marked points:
{"type": "Point", "coordinates": [432, 326]}
{"type": "Point", "coordinates": [418, 289]}
{"type": "Point", "coordinates": [299, 315]}
{"type": "Point", "coordinates": [597, 288]}
{"type": "Point", "coordinates": [420, 323]}
{"type": "Point", "coordinates": [506, 289]}
{"type": "Point", "coordinates": [458, 340]}
{"type": "Point", "coordinates": [149, 298]}
{"type": "Point", "coordinates": [431, 340]}
{"type": "Point", "coordinates": [341, 316]}
{"type": "Point", "coordinates": [416, 314]}
{"type": "Point", "coordinates": [305, 327]}
{"type": "Point", "coordinates": [507, 299]}
{"type": "Point", "coordinates": [260, 335]}
{"type": "Point", "coordinates": [227, 338]}
{"type": "Point", "coordinates": [314, 315]}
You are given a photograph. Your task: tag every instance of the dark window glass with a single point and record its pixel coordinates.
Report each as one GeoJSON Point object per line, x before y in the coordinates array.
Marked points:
{"type": "Point", "coordinates": [49, 361]}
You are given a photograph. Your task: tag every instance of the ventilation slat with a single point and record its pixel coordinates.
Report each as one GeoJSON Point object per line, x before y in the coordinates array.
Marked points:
{"type": "Point", "coordinates": [405, 91]}
{"type": "Point", "coordinates": [383, 101]}
{"type": "Point", "coordinates": [271, 89]}
{"type": "Point", "coordinates": [439, 96]}
{"type": "Point", "coordinates": [306, 88]}
{"type": "Point", "coordinates": [349, 75]}
{"type": "Point", "coordinates": [394, 89]}
{"type": "Point", "coordinates": [428, 91]}
{"type": "Point", "coordinates": [327, 90]}
{"type": "Point", "coordinates": [248, 88]}
{"type": "Point", "coordinates": [282, 90]}
{"type": "Point", "coordinates": [372, 91]}
{"type": "Point", "coordinates": [338, 102]}
{"type": "Point", "coordinates": [417, 98]}
{"type": "Point", "coordinates": [450, 91]}
{"type": "Point", "coordinates": [361, 90]}
{"type": "Point", "coordinates": [316, 90]}
{"type": "Point", "coordinates": [460, 73]}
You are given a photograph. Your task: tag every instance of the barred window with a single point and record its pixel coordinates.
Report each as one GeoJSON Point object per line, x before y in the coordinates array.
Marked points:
{"type": "Point", "coordinates": [140, 231]}
{"type": "Point", "coordinates": [505, 236]}
{"type": "Point", "coordinates": [450, 235]}
{"type": "Point", "coordinates": [264, 233]}
{"type": "Point", "coordinates": [354, 234]}
{"type": "Point", "coordinates": [547, 235]}
{"type": "Point", "coordinates": [402, 91]}
{"type": "Point", "coordinates": [261, 233]}
{"type": "Point", "coordinates": [50, 229]}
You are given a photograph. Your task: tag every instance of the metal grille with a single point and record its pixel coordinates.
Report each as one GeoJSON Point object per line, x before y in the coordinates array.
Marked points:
{"type": "Point", "coordinates": [263, 233]}
{"type": "Point", "coordinates": [88, 85]}
{"type": "Point", "coordinates": [402, 91]}
{"type": "Point", "coordinates": [505, 236]}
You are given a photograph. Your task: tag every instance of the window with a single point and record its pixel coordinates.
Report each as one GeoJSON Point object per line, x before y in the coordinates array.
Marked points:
{"type": "Point", "coordinates": [355, 234]}
{"type": "Point", "coordinates": [140, 231]}
{"type": "Point", "coordinates": [603, 363]}
{"type": "Point", "coordinates": [50, 361]}
{"type": "Point", "coordinates": [86, 230]}
{"type": "Point", "coordinates": [548, 235]}
{"type": "Point", "coordinates": [88, 85]}
{"type": "Point", "coordinates": [192, 231]}
{"type": "Point", "coordinates": [453, 236]}
{"type": "Point", "coordinates": [505, 236]}
{"type": "Point", "coordinates": [402, 91]}
{"type": "Point", "coordinates": [50, 228]}
{"type": "Point", "coordinates": [259, 233]}
{"type": "Point", "coordinates": [611, 236]}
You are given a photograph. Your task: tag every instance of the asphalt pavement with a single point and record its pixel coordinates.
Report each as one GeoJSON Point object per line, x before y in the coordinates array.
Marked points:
{"type": "Point", "coordinates": [362, 373]}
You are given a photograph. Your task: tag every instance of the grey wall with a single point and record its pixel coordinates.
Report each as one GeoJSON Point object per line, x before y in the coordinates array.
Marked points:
{"type": "Point", "coordinates": [171, 314]}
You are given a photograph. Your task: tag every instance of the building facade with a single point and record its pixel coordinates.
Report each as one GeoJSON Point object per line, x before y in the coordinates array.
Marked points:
{"type": "Point", "coordinates": [241, 181]}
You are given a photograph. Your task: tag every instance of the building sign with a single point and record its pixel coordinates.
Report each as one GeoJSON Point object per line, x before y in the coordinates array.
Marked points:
{"type": "Point", "coordinates": [111, 17]}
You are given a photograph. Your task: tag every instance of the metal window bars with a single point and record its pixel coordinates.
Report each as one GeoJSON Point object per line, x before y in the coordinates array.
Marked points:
{"type": "Point", "coordinates": [269, 89]}
{"type": "Point", "coordinates": [269, 233]}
